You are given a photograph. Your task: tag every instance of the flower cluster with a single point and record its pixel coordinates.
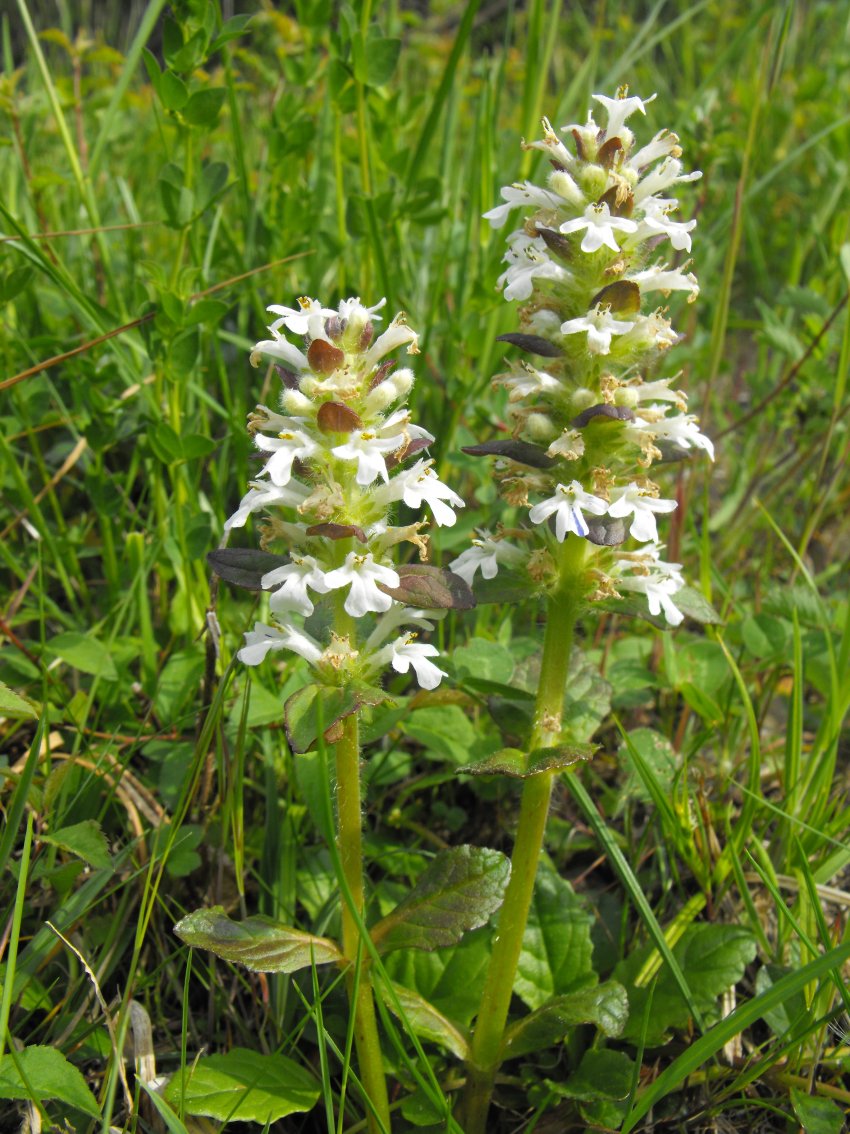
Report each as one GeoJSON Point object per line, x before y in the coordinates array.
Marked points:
{"type": "Point", "coordinates": [339, 454]}
{"type": "Point", "coordinates": [588, 262]}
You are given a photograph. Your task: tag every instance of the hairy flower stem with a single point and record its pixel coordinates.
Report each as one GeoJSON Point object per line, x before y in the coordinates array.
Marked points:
{"type": "Point", "coordinates": [350, 842]}
{"type": "Point", "coordinates": [489, 1030]}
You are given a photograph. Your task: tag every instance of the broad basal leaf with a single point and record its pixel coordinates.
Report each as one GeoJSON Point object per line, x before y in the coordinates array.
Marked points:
{"type": "Point", "coordinates": [448, 979]}
{"type": "Point", "coordinates": [85, 653]}
{"type": "Point", "coordinates": [243, 1086]}
{"type": "Point", "coordinates": [324, 707]}
{"type": "Point", "coordinates": [817, 1115]}
{"type": "Point", "coordinates": [602, 1074]}
{"type": "Point", "coordinates": [426, 1021]}
{"type": "Point", "coordinates": [44, 1073]}
{"type": "Point", "coordinates": [557, 952]}
{"type": "Point", "coordinates": [258, 943]}
{"type": "Point", "coordinates": [431, 588]}
{"type": "Point", "coordinates": [243, 566]}
{"type": "Point", "coordinates": [605, 1005]}
{"type": "Point", "coordinates": [458, 891]}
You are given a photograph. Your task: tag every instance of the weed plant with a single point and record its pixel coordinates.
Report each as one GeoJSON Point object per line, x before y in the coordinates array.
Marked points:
{"type": "Point", "coordinates": [170, 172]}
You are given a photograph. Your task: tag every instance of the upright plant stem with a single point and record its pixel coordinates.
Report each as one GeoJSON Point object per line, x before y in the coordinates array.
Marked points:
{"type": "Point", "coordinates": [489, 1031]}
{"type": "Point", "coordinates": [350, 843]}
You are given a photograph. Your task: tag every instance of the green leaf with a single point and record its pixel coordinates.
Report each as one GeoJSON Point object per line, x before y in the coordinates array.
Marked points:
{"type": "Point", "coordinates": [520, 765]}
{"type": "Point", "coordinates": [183, 354]}
{"type": "Point", "coordinates": [766, 637]}
{"type": "Point", "coordinates": [165, 442]}
{"type": "Point", "coordinates": [209, 311]}
{"type": "Point", "coordinates": [508, 586]}
{"type": "Point", "coordinates": [815, 1114]}
{"type": "Point", "coordinates": [425, 1021]}
{"type": "Point", "coordinates": [327, 704]}
{"type": "Point", "coordinates": [172, 91]}
{"type": "Point", "coordinates": [457, 892]}
{"type": "Point", "coordinates": [448, 979]}
{"type": "Point", "coordinates": [712, 958]}
{"type": "Point", "coordinates": [13, 282]}
{"type": "Point", "coordinates": [176, 198]}
{"type": "Point", "coordinates": [211, 185]}
{"type": "Point", "coordinates": [693, 604]}
{"type": "Point", "coordinates": [45, 1073]}
{"type": "Point", "coordinates": [484, 660]}
{"type": "Point", "coordinates": [172, 1123]}
{"type": "Point", "coordinates": [243, 1086]}
{"type": "Point", "coordinates": [557, 951]}
{"type": "Point", "coordinates": [85, 653]}
{"type": "Point", "coordinates": [258, 943]}
{"type": "Point", "coordinates": [196, 446]}
{"type": "Point", "coordinates": [231, 29]}
{"type": "Point", "coordinates": [431, 588]}
{"type": "Point", "coordinates": [444, 730]}
{"type": "Point", "coordinates": [86, 840]}
{"type": "Point", "coordinates": [605, 1005]}
{"type": "Point", "coordinates": [381, 57]}
{"type": "Point", "coordinates": [243, 566]}
{"type": "Point", "coordinates": [656, 758]}
{"type": "Point", "coordinates": [204, 107]}
{"type": "Point", "coordinates": [602, 1074]}
{"type": "Point", "coordinates": [13, 705]}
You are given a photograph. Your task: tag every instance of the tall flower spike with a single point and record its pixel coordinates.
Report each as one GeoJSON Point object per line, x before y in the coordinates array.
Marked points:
{"type": "Point", "coordinates": [585, 260]}
{"type": "Point", "coordinates": [336, 463]}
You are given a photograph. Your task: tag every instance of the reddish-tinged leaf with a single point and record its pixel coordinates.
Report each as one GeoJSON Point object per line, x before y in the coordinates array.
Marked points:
{"type": "Point", "coordinates": [258, 943]}
{"type": "Point", "coordinates": [523, 452]}
{"type": "Point", "coordinates": [415, 446]}
{"type": "Point", "coordinates": [607, 153]}
{"type": "Point", "coordinates": [531, 344]}
{"type": "Point", "coordinates": [324, 358]}
{"type": "Point", "coordinates": [381, 373]}
{"type": "Point", "coordinates": [519, 765]}
{"type": "Point", "coordinates": [243, 566]}
{"type": "Point", "coordinates": [432, 588]}
{"type": "Point", "coordinates": [623, 297]}
{"type": "Point", "coordinates": [556, 242]}
{"type": "Point", "coordinates": [615, 413]}
{"type": "Point", "coordinates": [336, 417]}
{"type": "Point", "coordinates": [619, 205]}
{"type": "Point", "coordinates": [326, 707]}
{"type": "Point", "coordinates": [338, 531]}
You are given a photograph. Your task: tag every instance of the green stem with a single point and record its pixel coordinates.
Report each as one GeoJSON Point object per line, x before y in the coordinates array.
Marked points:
{"type": "Point", "coordinates": [485, 1054]}
{"type": "Point", "coordinates": [350, 843]}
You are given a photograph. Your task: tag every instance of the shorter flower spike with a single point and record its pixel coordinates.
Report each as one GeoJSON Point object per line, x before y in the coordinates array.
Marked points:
{"type": "Point", "coordinates": [334, 468]}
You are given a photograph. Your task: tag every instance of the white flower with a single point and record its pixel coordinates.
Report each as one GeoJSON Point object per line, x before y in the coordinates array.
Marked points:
{"type": "Point", "coordinates": [528, 380]}
{"type": "Point", "coordinates": [567, 506]}
{"type": "Point", "coordinates": [305, 319]}
{"type": "Point", "coordinates": [619, 109]}
{"type": "Point", "coordinates": [682, 430]}
{"type": "Point", "coordinates": [484, 555]}
{"type": "Point", "coordinates": [649, 575]}
{"type": "Point", "coordinates": [527, 259]}
{"type": "Point", "coordinates": [282, 348]}
{"type": "Point", "coordinates": [600, 227]}
{"type": "Point", "coordinates": [399, 615]}
{"type": "Point", "coordinates": [663, 176]}
{"type": "Point", "coordinates": [663, 144]}
{"type": "Point", "coordinates": [552, 145]}
{"type": "Point", "coordinates": [365, 447]}
{"type": "Point", "coordinates": [394, 336]}
{"type": "Point", "coordinates": [521, 193]}
{"type": "Point", "coordinates": [363, 574]}
{"type": "Point", "coordinates": [600, 326]}
{"type": "Point", "coordinates": [262, 495]}
{"type": "Point", "coordinates": [656, 220]}
{"type": "Point", "coordinates": [636, 501]}
{"type": "Point", "coordinates": [353, 310]}
{"type": "Point", "coordinates": [285, 636]}
{"type": "Point", "coordinates": [420, 484]}
{"type": "Point", "coordinates": [406, 652]}
{"type": "Point", "coordinates": [292, 581]}
{"type": "Point", "coordinates": [666, 280]}
{"type": "Point", "coordinates": [288, 446]}
{"type": "Point", "coordinates": [658, 391]}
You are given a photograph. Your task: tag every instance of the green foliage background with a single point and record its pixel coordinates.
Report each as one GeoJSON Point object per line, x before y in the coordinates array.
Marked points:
{"type": "Point", "coordinates": [167, 173]}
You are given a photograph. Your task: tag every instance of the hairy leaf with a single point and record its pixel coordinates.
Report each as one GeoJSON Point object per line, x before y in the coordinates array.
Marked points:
{"type": "Point", "coordinates": [431, 588]}
{"type": "Point", "coordinates": [521, 765]}
{"type": "Point", "coordinates": [606, 1006]}
{"type": "Point", "coordinates": [507, 586]}
{"type": "Point", "coordinates": [258, 943]}
{"type": "Point", "coordinates": [85, 840]}
{"type": "Point", "coordinates": [457, 892]}
{"type": "Point", "coordinates": [12, 704]}
{"type": "Point", "coordinates": [315, 707]}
